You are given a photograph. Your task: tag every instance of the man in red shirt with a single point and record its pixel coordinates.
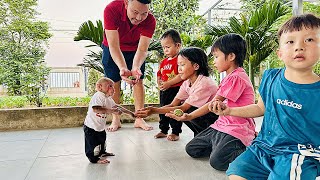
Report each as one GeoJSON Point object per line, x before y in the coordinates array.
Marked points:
{"type": "Point", "coordinates": [129, 27]}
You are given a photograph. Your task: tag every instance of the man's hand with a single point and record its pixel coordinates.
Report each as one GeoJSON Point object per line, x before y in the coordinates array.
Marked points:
{"type": "Point", "coordinates": [125, 73]}
{"type": "Point", "coordinates": [136, 73]}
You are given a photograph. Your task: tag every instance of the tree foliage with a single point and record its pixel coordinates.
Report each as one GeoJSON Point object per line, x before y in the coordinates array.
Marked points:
{"type": "Point", "coordinates": [177, 14]}
{"type": "Point", "coordinates": [313, 8]}
{"type": "Point", "coordinates": [94, 33]}
{"type": "Point", "coordinates": [273, 61]}
{"type": "Point", "coordinates": [93, 77]}
{"type": "Point", "coordinates": [91, 32]}
{"type": "Point", "coordinates": [257, 28]}
{"type": "Point", "coordinates": [22, 49]}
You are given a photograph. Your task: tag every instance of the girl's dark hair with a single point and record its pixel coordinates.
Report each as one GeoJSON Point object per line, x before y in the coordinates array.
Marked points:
{"type": "Point", "coordinates": [173, 34]}
{"type": "Point", "coordinates": [197, 55]}
{"type": "Point", "coordinates": [296, 23]}
{"type": "Point", "coordinates": [145, 1]}
{"type": "Point", "coordinates": [232, 43]}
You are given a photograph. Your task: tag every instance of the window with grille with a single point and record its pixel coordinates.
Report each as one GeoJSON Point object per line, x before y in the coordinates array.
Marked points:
{"type": "Point", "coordinates": [64, 79]}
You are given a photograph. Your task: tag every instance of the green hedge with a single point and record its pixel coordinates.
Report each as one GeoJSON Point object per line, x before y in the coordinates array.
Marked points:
{"type": "Point", "coordinates": [8, 102]}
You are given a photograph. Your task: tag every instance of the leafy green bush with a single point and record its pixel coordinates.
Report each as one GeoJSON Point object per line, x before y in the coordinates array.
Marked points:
{"type": "Point", "coordinates": [13, 102]}
{"type": "Point", "coordinates": [152, 97]}
{"type": "Point", "coordinates": [317, 68]}
{"type": "Point", "coordinates": [66, 101]}
{"type": "Point", "coordinates": [94, 76]}
{"type": "Point", "coordinates": [8, 102]}
{"type": "Point", "coordinates": [126, 98]}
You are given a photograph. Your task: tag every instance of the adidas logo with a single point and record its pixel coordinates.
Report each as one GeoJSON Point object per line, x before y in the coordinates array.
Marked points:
{"type": "Point", "coordinates": [289, 103]}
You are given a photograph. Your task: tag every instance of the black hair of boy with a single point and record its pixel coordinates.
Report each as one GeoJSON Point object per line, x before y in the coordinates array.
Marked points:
{"type": "Point", "coordinates": [232, 43]}
{"type": "Point", "coordinates": [197, 55]}
{"type": "Point", "coordinates": [296, 23]}
{"type": "Point", "coordinates": [144, 1]}
{"type": "Point", "coordinates": [173, 34]}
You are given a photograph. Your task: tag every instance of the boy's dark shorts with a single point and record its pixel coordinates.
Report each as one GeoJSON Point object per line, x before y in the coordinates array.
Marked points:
{"type": "Point", "coordinates": [111, 70]}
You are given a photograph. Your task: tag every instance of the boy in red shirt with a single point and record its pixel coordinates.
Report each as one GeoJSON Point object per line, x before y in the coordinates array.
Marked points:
{"type": "Point", "coordinates": [169, 82]}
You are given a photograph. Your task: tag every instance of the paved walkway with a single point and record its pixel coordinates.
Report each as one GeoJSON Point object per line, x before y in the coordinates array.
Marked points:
{"type": "Point", "coordinates": [59, 154]}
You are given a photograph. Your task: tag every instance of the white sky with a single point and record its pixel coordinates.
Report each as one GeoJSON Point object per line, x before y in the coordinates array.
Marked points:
{"type": "Point", "coordinates": [65, 17]}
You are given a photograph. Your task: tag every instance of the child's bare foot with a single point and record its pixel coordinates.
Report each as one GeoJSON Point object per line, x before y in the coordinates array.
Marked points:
{"type": "Point", "coordinates": [173, 137]}
{"type": "Point", "coordinates": [103, 161]}
{"type": "Point", "coordinates": [160, 135]}
{"type": "Point", "coordinates": [140, 123]}
{"type": "Point", "coordinates": [115, 125]}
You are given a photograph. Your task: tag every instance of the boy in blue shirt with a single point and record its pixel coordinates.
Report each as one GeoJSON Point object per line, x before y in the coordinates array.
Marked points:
{"type": "Point", "coordinates": [288, 146]}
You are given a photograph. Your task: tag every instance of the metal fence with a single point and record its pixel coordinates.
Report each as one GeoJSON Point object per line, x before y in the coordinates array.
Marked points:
{"type": "Point", "coordinates": [64, 79]}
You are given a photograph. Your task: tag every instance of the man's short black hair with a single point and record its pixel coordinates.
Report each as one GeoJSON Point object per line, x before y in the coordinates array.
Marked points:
{"type": "Point", "coordinates": [145, 1]}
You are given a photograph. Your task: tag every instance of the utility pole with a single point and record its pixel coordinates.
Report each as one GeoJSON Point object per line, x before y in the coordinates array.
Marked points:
{"type": "Point", "coordinates": [297, 7]}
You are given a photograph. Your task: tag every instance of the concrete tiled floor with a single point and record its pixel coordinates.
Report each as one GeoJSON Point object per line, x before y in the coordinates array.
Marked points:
{"type": "Point", "coordinates": [59, 154]}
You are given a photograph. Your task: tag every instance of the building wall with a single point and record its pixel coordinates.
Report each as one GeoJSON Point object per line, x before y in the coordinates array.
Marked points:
{"type": "Point", "coordinates": [2, 91]}
{"type": "Point", "coordinates": [67, 81]}
{"type": "Point", "coordinates": [64, 81]}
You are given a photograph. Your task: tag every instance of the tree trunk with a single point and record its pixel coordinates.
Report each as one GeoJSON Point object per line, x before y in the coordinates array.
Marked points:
{"type": "Point", "coordinates": [251, 74]}
{"type": "Point", "coordinates": [17, 88]}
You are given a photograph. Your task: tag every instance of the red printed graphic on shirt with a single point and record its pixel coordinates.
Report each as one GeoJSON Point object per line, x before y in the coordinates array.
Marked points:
{"type": "Point", "coordinates": [168, 70]}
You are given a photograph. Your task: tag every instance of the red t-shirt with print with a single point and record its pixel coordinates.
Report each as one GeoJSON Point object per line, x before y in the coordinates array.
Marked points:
{"type": "Point", "coordinates": [168, 70]}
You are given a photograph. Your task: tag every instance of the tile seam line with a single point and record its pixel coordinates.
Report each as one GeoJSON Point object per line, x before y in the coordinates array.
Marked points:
{"type": "Point", "coordinates": [38, 154]}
